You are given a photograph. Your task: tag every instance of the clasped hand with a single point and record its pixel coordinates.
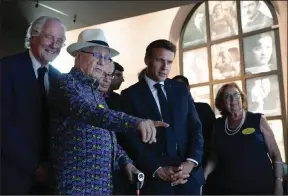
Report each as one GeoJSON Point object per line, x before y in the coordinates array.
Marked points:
{"type": "Point", "coordinates": [176, 175]}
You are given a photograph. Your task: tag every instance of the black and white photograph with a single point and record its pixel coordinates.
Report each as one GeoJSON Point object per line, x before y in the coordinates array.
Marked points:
{"type": "Point", "coordinates": [255, 15]}
{"type": "Point", "coordinates": [263, 95]}
{"type": "Point", "coordinates": [260, 53]}
{"type": "Point", "coordinates": [277, 128]}
{"type": "Point", "coordinates": [195, 65]}
{"type": "Point", "coordinates": [195, 32]}
{"type": "Point", "coordinates": [201, 94]}
{"type": "Point", "coordinates": [223, 19]}
{"type": "Point", "coordinates": [216, 88]}
{"type": "Point", "coordinates": [225, 60]}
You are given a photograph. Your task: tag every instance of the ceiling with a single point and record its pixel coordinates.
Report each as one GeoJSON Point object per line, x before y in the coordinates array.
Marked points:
{"type": "Point", "coordinates": [22, 12]}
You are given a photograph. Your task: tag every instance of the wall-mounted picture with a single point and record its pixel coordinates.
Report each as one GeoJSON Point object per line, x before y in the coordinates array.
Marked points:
{"type": "Point", "coordinates": [195, 65]}
{"type": "Point", "coordinates": [223, 19]}
{"type": "Point", "coordinates": [260, 53]}
{"type": "Point", "coordinates": [263, 95]}
{"type": "Point", "coordinates": [255, 15]}
{"type": "Point", "coordinates": [225, 60]}
{"type": "Point", "coordinates": [201, 94]}
{"type": "Point", "coordinates": [195, 32]}
{"type": "Point", "coordinates": [216, 88]}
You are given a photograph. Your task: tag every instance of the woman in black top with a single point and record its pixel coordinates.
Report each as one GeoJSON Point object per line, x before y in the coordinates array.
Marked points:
{"type": "Point", "coordinates": [243, 143]}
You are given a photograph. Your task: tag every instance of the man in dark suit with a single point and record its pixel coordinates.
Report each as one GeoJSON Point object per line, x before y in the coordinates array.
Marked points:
{"type": "Point", "coordinates": [207, 118]}
{"type": "Point", "coordinates": [25, 81]}
{"type": "Point", "coordinates": [172, 165]}
{"type": "Point", "coordinates": [113, 98]}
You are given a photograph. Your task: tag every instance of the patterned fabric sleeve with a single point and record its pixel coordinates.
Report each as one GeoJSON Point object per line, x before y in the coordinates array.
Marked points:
{"type": "Point", "coordinates": [74, 103]}
{"type": "Point", "coordinates": [122, 158]}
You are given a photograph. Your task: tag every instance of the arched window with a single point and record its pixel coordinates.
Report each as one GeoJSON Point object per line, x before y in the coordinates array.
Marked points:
{"type": "Point", "coordinates": [236, 41]}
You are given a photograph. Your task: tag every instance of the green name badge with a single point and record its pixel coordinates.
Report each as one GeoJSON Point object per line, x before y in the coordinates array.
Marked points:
{"type": "Point", "coordinates": [248, 131]}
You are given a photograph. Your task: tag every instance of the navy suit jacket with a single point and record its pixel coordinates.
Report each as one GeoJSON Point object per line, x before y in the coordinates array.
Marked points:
{"type": "Point", "coordinates": [21, 126]}
{"type": "Point", "coordinates": [207, 118]}
{"type": "Point", "coordinates": [138, 101]}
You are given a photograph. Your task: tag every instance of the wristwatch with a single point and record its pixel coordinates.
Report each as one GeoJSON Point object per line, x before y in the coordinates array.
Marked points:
{"type": "Point", "coordinates": [281, 179]}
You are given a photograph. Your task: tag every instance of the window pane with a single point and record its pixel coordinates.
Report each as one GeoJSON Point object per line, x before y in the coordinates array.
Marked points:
{"type": "Point", "coordinates": [223, 19]}
{"type": "Point", "coordinates": [260, 53]}
{"type": "Point", "coordinates": [201, 94]}
{"type": "Point", "coordinates": [277, 128]}
{"type": "Point", "coordinates": [263, 95]}
{"type": "Point", "coordinates": [195, 32]}
{"type": "Point", "coordinates": [195, 66]}
{"type": "Point", "coordinates": [216, 88]}
{"type": "Point", "coordinates": [255, 15]}
{"type": "Point", "coordinates": [225, 60]}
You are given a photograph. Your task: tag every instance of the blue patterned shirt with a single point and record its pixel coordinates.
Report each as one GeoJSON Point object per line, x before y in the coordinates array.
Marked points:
{"type": "Point", "coordinates": [84, 146]}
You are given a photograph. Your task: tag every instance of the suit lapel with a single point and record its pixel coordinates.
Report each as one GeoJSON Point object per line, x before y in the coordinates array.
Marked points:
{"type": "Point", "coordinates": [147, 97]}
{"type": "Point", "coordinates": [27, 71]}
{"type": "Point", "coordinates": [172, 99]}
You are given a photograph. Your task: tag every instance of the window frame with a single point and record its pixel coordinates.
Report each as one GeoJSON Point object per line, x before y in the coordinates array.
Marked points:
{"type": "Point", "coordinates": [243, 77]}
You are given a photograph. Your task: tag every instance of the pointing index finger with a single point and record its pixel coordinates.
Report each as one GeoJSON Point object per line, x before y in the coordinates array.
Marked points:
{"type": "Point", "coordinates": [160, 124]}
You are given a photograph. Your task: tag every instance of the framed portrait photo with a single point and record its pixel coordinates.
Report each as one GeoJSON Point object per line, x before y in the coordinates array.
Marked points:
{"type": "Point", "coordinates": [195, 32]}
{"type": "Point", "coordinates": [260, 53]}
{"type": "Point", "coordinates": [195, 65]}
{"type": "Point", "coordinates": [263, 95]}
{"type": "Point", "coordinates": [255, 15]}
{"type": "Point", "coordinates": [223, 19]}
{"type": "Point", "coordinates": [225, 60]}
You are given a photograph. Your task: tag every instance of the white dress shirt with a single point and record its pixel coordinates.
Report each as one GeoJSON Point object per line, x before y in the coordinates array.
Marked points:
{"type": "Point", "coordinates": [153, 90]}
{"type": "Point", "coordinates": [36, 66]}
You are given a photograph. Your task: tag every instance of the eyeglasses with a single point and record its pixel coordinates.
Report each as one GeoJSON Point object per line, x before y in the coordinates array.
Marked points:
{"type": "Point", "coordinates": [51, 39]}
{"type": "Point", "coordinates": [228, 96]}
{"type": "Point", "coordinates": [104, 74]}
{"type": "Point", "coordinates": [98, 56]}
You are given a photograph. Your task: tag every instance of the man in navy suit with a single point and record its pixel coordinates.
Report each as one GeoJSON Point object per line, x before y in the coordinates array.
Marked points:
{"type": "Point", "coordinates": [25, 82]}
{"type": "Point", "coordinates": [172, 165]}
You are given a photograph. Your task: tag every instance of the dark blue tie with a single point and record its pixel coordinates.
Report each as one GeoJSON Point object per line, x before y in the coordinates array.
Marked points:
{"type": "Point", "coordinates": [41, 73]}
{"type": "Point", "coordinates": [171, 145]}
{"type": "Point", "coordinates": [44, 149]}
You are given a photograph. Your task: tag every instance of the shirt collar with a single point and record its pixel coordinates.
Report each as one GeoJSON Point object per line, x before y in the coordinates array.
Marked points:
{"type": "Point", "coordinates": [84, 78]}
{"type": "Point", "coordinates": [151, 83]}
{"type": "Point", "coordinates": [36, 64]}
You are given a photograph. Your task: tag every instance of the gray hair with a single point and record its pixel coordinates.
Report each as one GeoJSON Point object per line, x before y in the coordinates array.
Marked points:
{"type": "Point", "coordinates": [36, 27]}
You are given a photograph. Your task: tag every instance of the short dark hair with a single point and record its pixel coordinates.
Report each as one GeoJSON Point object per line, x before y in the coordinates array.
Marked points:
{"type": "Point", "coordinates": [219, 103]}
{"type": "Point", "coordinates": [142, 73]}
{"type": "Point", "coordinates": [183, 79]}
{"type": "Point", "coordinates": [252, 42]}
{"type": "Point", "coordinates": [118, 67]}
{"type": "Point", "coordinates": [160, 43]}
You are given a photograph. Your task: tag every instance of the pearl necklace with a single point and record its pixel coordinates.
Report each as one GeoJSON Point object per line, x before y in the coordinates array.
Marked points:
{"type": "Point", "coordinates": [237, 129]}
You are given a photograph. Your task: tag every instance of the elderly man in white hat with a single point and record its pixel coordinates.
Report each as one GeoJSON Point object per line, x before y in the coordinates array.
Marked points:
{"type": "Point", "coordinates": [84, 146]}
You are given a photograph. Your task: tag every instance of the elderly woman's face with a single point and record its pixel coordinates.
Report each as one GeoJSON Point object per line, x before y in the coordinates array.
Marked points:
{"type": "Point", "coordinates": [92, 60]}
{"type": "Point", "coordinates": [106, 78]}
{"type": "Point", "coordinates": [232, 100]}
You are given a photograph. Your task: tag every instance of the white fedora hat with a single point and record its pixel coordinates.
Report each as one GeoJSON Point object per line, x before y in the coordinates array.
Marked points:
{"type": "Point", "coordinates": [88, 38]}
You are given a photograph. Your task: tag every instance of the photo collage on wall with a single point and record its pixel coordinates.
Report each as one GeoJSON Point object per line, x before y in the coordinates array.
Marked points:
{"type": "Point", "coordinates": [220, 45]}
